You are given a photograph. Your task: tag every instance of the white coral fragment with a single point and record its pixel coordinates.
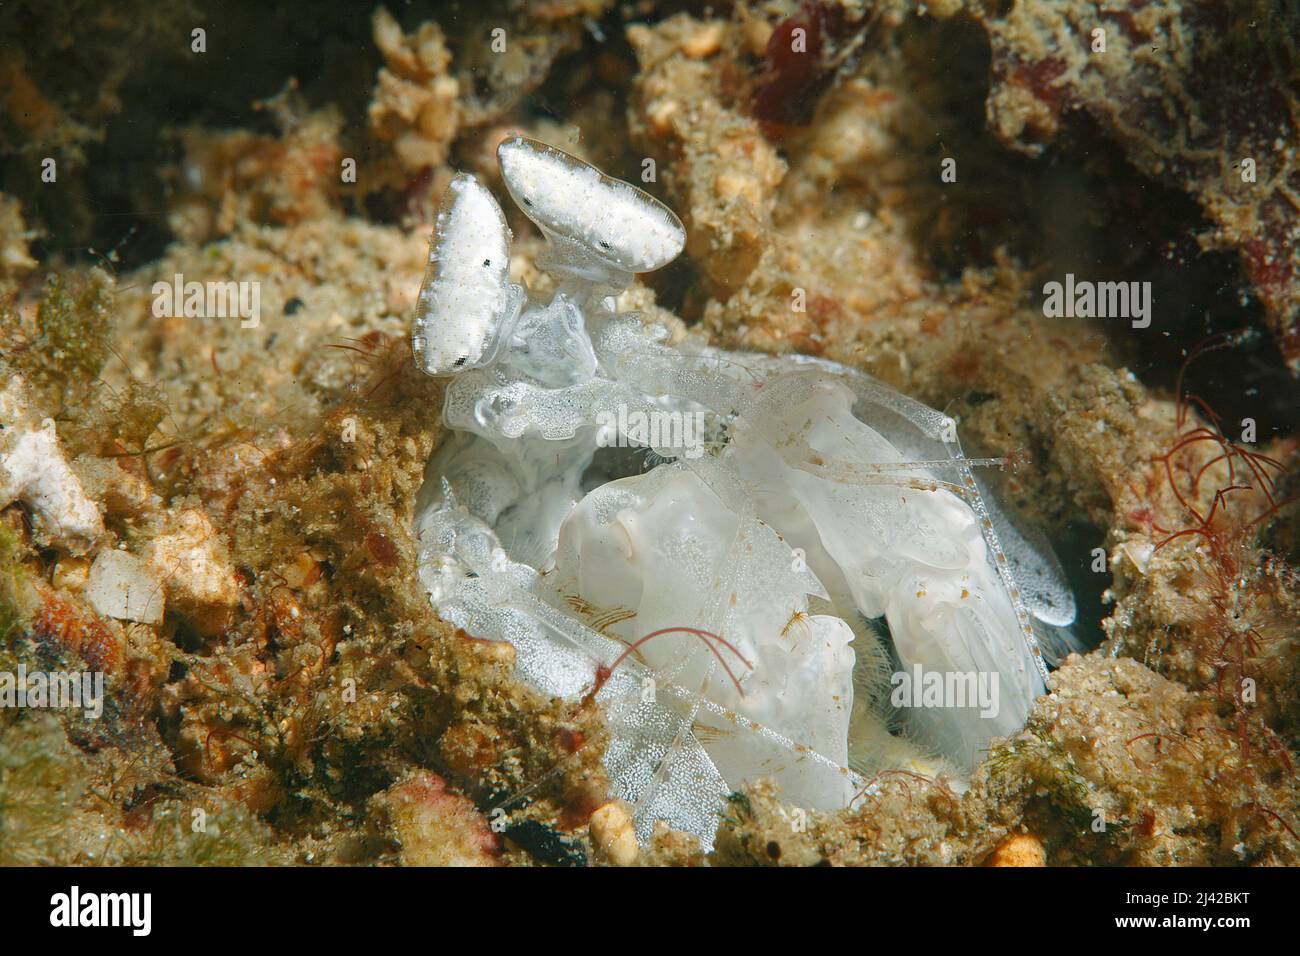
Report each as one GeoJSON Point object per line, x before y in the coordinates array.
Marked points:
{"type": "Point", "coordinates": [34, 470]}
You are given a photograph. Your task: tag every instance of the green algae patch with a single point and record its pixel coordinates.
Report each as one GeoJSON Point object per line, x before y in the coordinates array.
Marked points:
{"type": "Point", "coordinates": [65, 345]}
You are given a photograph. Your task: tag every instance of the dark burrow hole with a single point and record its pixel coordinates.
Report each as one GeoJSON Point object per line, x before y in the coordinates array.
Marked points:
{"type": "Point", "coordinates": [1081, 207]}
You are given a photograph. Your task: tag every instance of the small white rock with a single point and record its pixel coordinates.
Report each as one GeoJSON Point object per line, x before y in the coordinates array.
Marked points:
{"type": "Point", "coordinates": [613, 833]}
{"type": "Point", "coordinates": [192, 558]}
{"type": "Point", "coordinates": [122, 586]}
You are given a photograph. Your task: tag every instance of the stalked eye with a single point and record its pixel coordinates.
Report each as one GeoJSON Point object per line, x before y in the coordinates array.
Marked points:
{"type": "Point", "coordinates": [461, 303]}
{"type": "Point", "coordinates": [588, 215]}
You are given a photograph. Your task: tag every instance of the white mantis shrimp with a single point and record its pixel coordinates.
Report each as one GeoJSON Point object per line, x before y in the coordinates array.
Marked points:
{"type": "Point", "coordinates": [721, 603]}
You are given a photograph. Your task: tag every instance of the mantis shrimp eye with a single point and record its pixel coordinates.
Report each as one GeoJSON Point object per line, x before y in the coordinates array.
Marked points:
{"type": "Point", "coordinates": [464, 298]}
{"type": "Point", "coordinates": [576, 204]}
